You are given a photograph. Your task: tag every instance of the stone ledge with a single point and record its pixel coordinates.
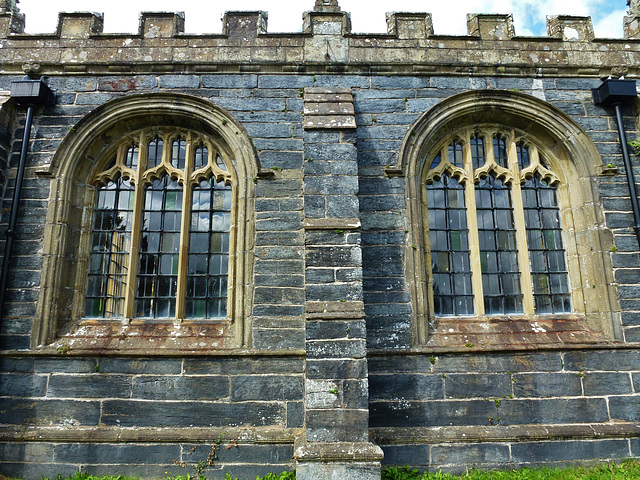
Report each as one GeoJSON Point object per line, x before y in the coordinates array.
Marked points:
{"type": "Point", "coordinates": [498, 433]}
{"type": "Point", "coordinates": [146, 434]}
{"type": "Point", "coordinates": [331, 223]}
{"type": "Point", "coordinates": [337, 452]}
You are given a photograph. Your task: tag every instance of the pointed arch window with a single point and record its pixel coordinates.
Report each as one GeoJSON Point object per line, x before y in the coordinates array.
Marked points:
{"type": "Point", "coordinates": [162, 230]}
{"type": "Point", "coordinates": [495, 241]}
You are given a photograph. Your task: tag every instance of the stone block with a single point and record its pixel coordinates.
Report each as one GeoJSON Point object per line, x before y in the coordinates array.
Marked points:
{"type": "Point", "coordinates": [407, 25]}
{"type": "Point", "coordinates": [469, 455]}
{"type": "Point", "coordinates": [476, 385]}
{"type": "Point", "coordinates": [65, 365]}
{"type": "Point", "coordinates": [330, 151]}
{"type": "Point", "coordinates": [170, 387]}
{"type": "Point", "coordinates": [278, 338]}
{"type": "Point", "coordinates": [243, 366]}
{"type": "Point", "coordinates": [490, 26]}
{"type": "Point", "coordinates": [22, 385]}
{"type": "Point", "coordinates": [338, 471]}
{"type": "Point", "coordinates": [11, 364]}
{"type": "Point", "coordinates": [533, 452]}
{"type": "Point", "coordinates": [606, 383]}
{"type": "Point", "coordinates": [409, 413]}
{"type": "Point", "coordinates": [48, 412]}
{"type": "Point", "coordinates": [336, 368]}
{"type": "Point", "coordinates": [244, 24]}
{"type": "Point", "coordinates": [624, 408]}
{"type": "Point", "coordinates": [163, 366]}
{"type": "Point", "coordinates": [266, 388]}
{"type": "Point", "coordinates": [161, 24]}
{"type": "Point", "coordinates": [79, 24]}
{"type": "Point", "coordinates": [96, 454]}
{"type": "Point", "coordinates": [124, 413]}
{"type": "Point", "coordinates": [336, 349]}
{"type": "Point", "coordinates": [554, 411]}
{"type": "Point", "coordinates": [546, 385]}
{"type": "Point", "coordinates": [616, 360]}
{"type": "Point", "coordinates": [27, 452]}
{"type": "Point", "coordinates": [179, 81]}
{"type": "Point", "coordinates": [295, 414]}
{"type": "Point", "coordinates": [230, 81]}
{"type": "Point", "coordinates": [337, 425]}
{"type": "Point", "coordinates": [96, 385]}
{"type": "Point", "coordinates": [631, 27]}
{"type": "Point", "coordinates": [570, 28]}
{"type": "Point", "coordinates": [405, 387]}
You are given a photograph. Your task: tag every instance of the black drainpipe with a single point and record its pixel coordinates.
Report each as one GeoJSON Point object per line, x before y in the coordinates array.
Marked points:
{"type": "Point", "coordinates": [617, 93]}
{"type": "Point", "coordinates": [30, 93]}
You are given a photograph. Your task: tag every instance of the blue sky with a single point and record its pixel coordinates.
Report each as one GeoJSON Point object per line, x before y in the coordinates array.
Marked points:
{"type": "Point", "coordinates": [203, 16]}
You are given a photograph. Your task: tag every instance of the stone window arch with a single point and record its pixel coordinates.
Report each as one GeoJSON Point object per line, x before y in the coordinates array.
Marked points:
{"type": "Point", "coordinates": [149, 214]}
{"type": "Point", "coordinates": [480, 168]}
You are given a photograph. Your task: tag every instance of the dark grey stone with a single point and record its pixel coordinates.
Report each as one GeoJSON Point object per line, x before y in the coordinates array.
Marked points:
{"type": "Point", "coordinates": [546, 385]}
{"type": "Point", "coordinates": [48, 412]}
{"type": "Point", "coordinates": [95, 385]}
{"type": "Point", "coordinates": [266, 388]}
{"type": "Point", "coordinates": [624, 408]}
{"type": "Point", "coordinates": [295, 414]}
{"type": "Point", "coordinates": [92, 454]}
{"type": "Point", "coordinates": [336, 349]}
{"type": "Point", "coordinates": [401, 387]}
{"type": "Point", "coordinates": [340, 425]}
{"type": "Point", "coordinates": [403, 413]}
{"type": "Point", "coordinates": [606, 383]}
{"type": "Point", "coordinates": [230, 81]}
{"type": "Point", "coordinates": [603, 360]}
{"type": "Point", "coordinates": [65, 365]}
{"type": "Point", "coordinates": [124, 413]}
{"type": "Point", "coordinates": [336, 368]}
{"type": "Point", "coordinates": [242, 366]}
{"type": "Point", "coordinates": [170, 387]}
{"type": "Point", "coordinates": [569, 450]}
{"type": "Point", "coordinates": [470, 455]}
{"type": "Point", "coordinates": [476, 385]}
{"type": "Point", "coordinates": [22, 385]}
{"type": "Point", "coordinates": [552, 410]}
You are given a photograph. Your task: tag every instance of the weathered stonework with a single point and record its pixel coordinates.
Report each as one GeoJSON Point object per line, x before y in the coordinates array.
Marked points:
{"type": "Point", "coordinates": [332, 360]}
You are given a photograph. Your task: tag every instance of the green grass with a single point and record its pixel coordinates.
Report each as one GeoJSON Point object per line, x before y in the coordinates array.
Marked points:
{"type": "Point", "coordinates": [629, 469]}
{"type": "Point", "coordinates": [626, 470]}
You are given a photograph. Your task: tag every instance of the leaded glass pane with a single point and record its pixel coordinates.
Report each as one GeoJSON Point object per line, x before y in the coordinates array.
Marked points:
{"type": "Point", "coordinates": [110, 246]}
{"type": "Point", "coordinates": [201, 157]}
{"type": "Point", "coordinates": [455, 154]}
{"type": "Point", "coordinates": [154, 153]}
{"type": "Point", "coordinates": [477, 151]}
{"type": "Point", "coordinates": [524, 159]}
{"type": "Point", "coordinates": [448, 232]}
{"type": "Point", "coordinates": [498, 251]}
{"type": "Point", "coordinates": [159, 249]}
{"type": "Point", "coordinates": [546, 251]}
{"type": "Point", "coordinates": [208, 250]}
{"type": "Point", "coordinates": [178, 153]}
{"type": "Point", "coordinates": [131, 157]}
{"type": "Point", "coordinates": [500, 151]}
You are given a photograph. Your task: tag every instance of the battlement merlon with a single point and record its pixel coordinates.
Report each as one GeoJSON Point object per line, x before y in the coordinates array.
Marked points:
{"type": "Point", "coordinates": [326, 44]}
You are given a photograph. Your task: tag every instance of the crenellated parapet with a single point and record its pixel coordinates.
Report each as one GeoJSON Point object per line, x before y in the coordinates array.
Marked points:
{"type": "Point", "coordinates": [326, 44]}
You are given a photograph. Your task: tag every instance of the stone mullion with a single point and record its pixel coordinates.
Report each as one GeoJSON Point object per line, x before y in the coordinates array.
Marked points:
{"type": "Point", "coordinates": [526, 285]}
{"type": "Point", "coordinates": [472, 224]}
{"type": "Point", "coordinates": [136, 231]}
{"type": "Point", "coordinates": [183, 258]}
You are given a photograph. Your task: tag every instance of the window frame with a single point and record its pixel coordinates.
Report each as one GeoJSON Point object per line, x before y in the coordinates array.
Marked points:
{"type": "Point", "coordinates": [596, 306]}
{"type": "Point", "coordinates": [59, 312]}
{"type": "Point", "coordinates": [514, 178]}
{"type": "Point", "coordinates": [143, 177]}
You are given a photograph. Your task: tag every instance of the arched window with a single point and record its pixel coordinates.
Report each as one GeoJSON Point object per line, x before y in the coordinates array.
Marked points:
{"type": "Point", "coordinates": [504, 244]}
{"type": "Point", "coordinates": [148, 242]}
{"type": "Point", "coordinates": [494, 228]}
{"type": "Point", "coordinates": [161, 230]}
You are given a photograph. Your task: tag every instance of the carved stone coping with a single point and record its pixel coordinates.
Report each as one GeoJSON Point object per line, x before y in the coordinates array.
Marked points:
{"type": "Point", "coordinates": [161, 24]}
{"type": "Point", "coordinates": [407, 25]}
{"type": "Point", "coordinates": [79, 24]}
{"type": "Point", "coordinates": [328, 108]}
